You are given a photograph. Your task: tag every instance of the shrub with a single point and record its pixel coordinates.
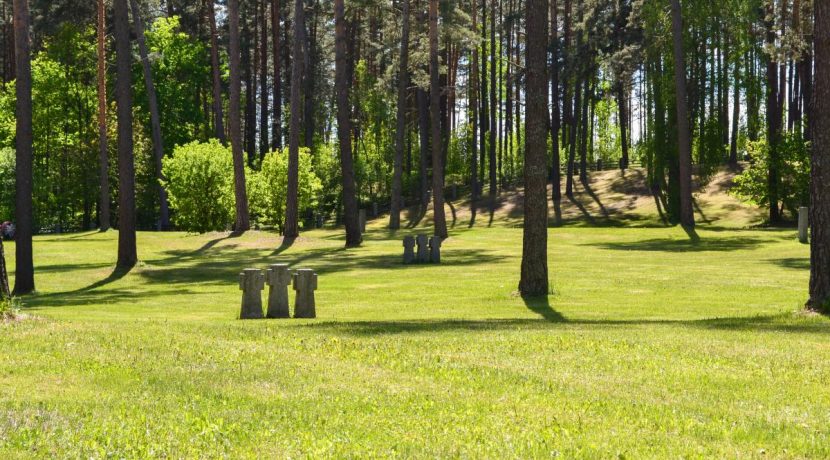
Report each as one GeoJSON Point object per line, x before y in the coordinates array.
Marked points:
{"type": "Point", "coordinates": [268, 188]}
{"type": "Point", "coordinates": [199, 181]}
{"type": "Point", "coordinates": [793, 169]}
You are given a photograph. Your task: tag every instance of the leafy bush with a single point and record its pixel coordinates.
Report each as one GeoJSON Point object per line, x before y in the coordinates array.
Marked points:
{"type": "Point", "coordinates": [199, 180]}
{"type": "Point", "coordinates": [793, 169]}
{"type": "Point", "coordinates": [7, 183]}
{"type": "Point", "coordinates": [268, 188]}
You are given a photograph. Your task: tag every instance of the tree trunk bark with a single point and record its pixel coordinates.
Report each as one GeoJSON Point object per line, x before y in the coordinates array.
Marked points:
{"type": "Point", "coordinates": [623, 113]}
{"type": "Point", "coordinates": [494, 187]}
{"type": "Point", "coordinates": [297, 59]}
{"type": "Point", "coordinates": [439, 218]}
{"type": "Point", "coordinates": [276, 139]}
{"type": "Point", "coordinates": [474, 83]}
{"type": "Point", "coordinates": [155, 122]}
{"type": "Point", "coordinates": [103, 156]}
{"type": "Point", "coordinates": [820, 173]}
{"type": "Point", "coordinates": [687, 218]}
{"type": "Point", "coordinates": [219, 121]}
{"type": "Point", "coordinates": [773, 122]}
{"type": "Point", "coordinates": [555, 119]}
{"type": "Point", "coordinates": [127, 253]}
{"type": "Point", "coordinates": [423, 132]}
{"type": "Point", "coordinates": [24, 279]}
{"type": "Point", "coordinates": [400, 132]}
{"type": "Point", "coordinates": [534, 271]}
{"type": "Point", "coordinates": [5, 292]}
{"type": "Point", "coordinates": [736, 114]}
{"type": "Point", "coordinates": [242, 218]}
{"type": "Point", "coordinates": [264, 141]}
{"type": "Point", "coordinates": [344, 129]}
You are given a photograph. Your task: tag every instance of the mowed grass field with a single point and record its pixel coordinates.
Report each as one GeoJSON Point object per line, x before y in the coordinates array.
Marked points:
{"type": "Point", "coordinates": [655, 344]}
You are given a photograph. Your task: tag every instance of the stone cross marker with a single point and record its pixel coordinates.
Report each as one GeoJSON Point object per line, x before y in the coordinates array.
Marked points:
{"type": "Point", "coordinates": [423, 250]}
{"type": "Point", "coordinates": [803, 223]}
{"type": "Point", "coordinates": [408, 249]}
{"type": "Point", "coordinates": [278, 277]}
{"type": "Point", "coordinates": [435, 249]}
{"type": "Point", "coordinates": [305, 283]}
{"type": "Point", "coordinates": [361, 216]}
{"type": "Point", "coordinates": [251, 282]}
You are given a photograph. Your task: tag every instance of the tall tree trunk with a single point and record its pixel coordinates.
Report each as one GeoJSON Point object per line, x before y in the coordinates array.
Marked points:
{"type": "Point", "coordinates": [534, 271]}
{"type": "Point", "coordinates": [309, 70]}
{"type": "Point", "coordinates": [155, 122]}
{"type": "Point", "coordinates": [423, 131]}
{"type": "Point", "coordinates": [103, 157]}
{"type": "Point", "coordinates": [400, 132]}
{"type": "Point", "coordinates": [219, 121]}
{"type": "Point", "coordinates": [587, 101]}
{"type": "Point", "coordinates": [484, 112]}
{"type": "Point", "coordinates": [24, 279]}
{"type": "Point", "coordinates": [623, 114]}
{"type": "Point", "coordinates": [276, 139]}
{"type": "Point", "coordinates": [475, 142]}
{"type": "Point", "coordinates": [687, 218]}
{"type": "Point", "coordinates": [344, 129]}
{"type": "Point", "coordinates": [264, 144]}
{"type": "Point", "coordinates": [127, 253]}
{"type": "Point", "coordinates": [494, 186]}
{"type": "Point", "coordinates": [820, 172]}
{"type": "Point", "coordinates": [736, 114]}
{"type": "Point", "coordinates": [439, 218]}
{"type": "Point", "coordinates": [248, 64]}
{"type": "Point", "coordinates": [242, 218]}
{"type": "Point", "coordinates": [297, 59]}
{"type": "Point", "coordinates": [555, 117]}
{"type": "Point", "coordinates": [773, 122]}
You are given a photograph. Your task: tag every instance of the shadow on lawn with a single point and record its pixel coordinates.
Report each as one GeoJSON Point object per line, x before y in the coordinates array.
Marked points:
{"type": "Point", "coordinates": [795, 263]}
{"type": "Point", "coordinates": [693, 244]}
{"type": "Point", "coordinates": [221, 264]}
{"type": "Point", "coordinates": [785, 323]}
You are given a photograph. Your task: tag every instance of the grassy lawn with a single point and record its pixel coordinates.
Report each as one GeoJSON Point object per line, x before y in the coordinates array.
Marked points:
{"type": "Point", "coordinates": [654, 345]}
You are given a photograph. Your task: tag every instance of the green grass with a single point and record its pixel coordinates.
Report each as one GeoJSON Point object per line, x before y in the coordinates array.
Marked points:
{"type": "Point", "coordinates": [653, 345]}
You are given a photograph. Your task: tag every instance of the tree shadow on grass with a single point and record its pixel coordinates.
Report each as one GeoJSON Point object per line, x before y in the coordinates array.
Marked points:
{"type": "Point", "coordinates": [541, 306]}
{"type": "Point", "coordinates": [777, 323]}
{"type": "Point", "coordinates": [693, 244]}
{"type": "Point", "coordinates": [794, 263]}
{"type": "Point", "coordinates": [220, 265]}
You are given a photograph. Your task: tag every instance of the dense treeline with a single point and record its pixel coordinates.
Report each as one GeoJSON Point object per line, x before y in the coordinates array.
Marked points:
{"type": "Point", "coordinates": [389, 102]}
{"type": "Point", "coordinates": [748, 65]}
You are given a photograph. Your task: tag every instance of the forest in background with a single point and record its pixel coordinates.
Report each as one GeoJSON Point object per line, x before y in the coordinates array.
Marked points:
{"type": "Point", "coordinates": [748, 65]}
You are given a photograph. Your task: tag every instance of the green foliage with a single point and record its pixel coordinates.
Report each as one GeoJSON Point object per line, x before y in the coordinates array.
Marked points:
{"type": "Point", "coordinates": [63, 129]}
{"type": "Point", "coordinates": [268, 188]}
{"type": "Point", "coordinates": [199, 180]}
{"type": "Point", "coordinates": [9, 309]}
{"type": "Point", "coordinates": [180, 67]}
{"type": "Point", "coordinates": [793, 167]}
{"type": "Point", "coordinates": [7, 184]}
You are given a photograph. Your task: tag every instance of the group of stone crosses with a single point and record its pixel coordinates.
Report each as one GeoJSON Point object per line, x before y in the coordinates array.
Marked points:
{"type": "Point", "coordinates": [252, 281]}
{"type": "Point", "coordinates": [429, 250]}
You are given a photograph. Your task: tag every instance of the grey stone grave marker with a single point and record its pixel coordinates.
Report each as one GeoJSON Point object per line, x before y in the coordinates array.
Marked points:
{"type": "Point", "coordinates": [251, 283]}
{"type": "Point", "coordinates": [408, 249]}
{"type": "Point", "coordinates": [305, 283]}
{"type": "Point", "coordinates": [803, 223]}
{"type": "Point", "coordinates": [278, 277]}
{"type": "Point", "coordinates": [423, 249]}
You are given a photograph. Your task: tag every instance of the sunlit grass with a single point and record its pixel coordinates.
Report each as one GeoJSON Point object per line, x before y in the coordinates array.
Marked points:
{"type": "Point", "coordinates": [653, 345]}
